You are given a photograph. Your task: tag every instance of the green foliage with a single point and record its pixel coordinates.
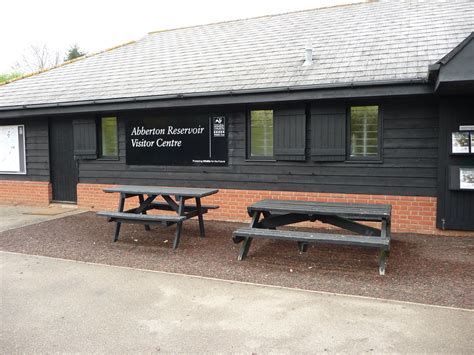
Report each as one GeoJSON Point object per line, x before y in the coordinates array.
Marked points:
{"type": "Point", "coordinates": [9, 76]}
{"type": "Point", "coordinates": [73, 53]}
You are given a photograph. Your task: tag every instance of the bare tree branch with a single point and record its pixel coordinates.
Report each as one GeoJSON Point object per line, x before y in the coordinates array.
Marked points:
{"type": "Point", "coordinates": [37, 57]}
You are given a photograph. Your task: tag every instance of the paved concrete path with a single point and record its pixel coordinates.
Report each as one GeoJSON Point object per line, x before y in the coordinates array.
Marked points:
{"type": "Point", "coordinates": [19, 216]}
{"type": "Point", "coordinates": [53, 305]}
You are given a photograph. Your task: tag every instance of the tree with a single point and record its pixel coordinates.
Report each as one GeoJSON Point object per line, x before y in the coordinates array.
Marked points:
{"type": "Point", "coordinates": [37, 57]}
{"type": "Point", "coordinates": [9, 76]}
{"type": "Point", "coordinates": [73, 53]}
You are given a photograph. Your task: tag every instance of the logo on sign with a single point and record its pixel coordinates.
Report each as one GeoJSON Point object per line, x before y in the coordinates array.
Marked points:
{"type": "Point", "coordinates": [218, 126]}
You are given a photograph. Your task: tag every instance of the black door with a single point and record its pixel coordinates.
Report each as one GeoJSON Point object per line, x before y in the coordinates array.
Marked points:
{"type": "Point", "coordinates": [455, 204]}
{"type": "Point", "coordinates": [63, 166]}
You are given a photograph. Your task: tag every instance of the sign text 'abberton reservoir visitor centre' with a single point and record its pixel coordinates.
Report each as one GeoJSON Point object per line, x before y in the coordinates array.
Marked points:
{"type": "Point", "coordinates": [198, 140]}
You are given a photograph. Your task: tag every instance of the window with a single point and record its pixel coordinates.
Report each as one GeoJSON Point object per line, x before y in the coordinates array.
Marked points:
{"type": "Point", "coordinates": [364, 132]}
{"type": "Point", "coordinates": [108, 136]}
{"type": "Point", "coordinates": [261, 133]}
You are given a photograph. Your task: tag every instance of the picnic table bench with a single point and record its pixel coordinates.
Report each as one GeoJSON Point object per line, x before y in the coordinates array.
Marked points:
{"type": "Point", "coordinates": [174, 200]}
{"type": "Point", "coordinates": [267, 215]}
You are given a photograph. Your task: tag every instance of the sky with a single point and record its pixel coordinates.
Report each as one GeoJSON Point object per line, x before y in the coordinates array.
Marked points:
{"type": "Point", "coordinates": [95, 25]}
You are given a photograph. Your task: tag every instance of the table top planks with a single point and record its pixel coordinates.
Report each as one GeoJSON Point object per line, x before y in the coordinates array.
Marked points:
{"type": "Point", "coordinates": [162, 190]}
{"type": "Point", "coordinates": [349, 210]}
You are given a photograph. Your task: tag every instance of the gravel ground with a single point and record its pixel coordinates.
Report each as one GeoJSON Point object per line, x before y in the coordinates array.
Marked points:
{"type": "Point", "coordinates": [425, 269]}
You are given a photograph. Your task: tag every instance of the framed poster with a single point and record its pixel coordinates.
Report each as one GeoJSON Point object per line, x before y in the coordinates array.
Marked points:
{"type": "Point", "coordinates": [12, 149]}
{"type": "Point", "coordinates": [460, 142]}
{"type": "Point", "coordinates": [466, 178]}
{"type": "Point", "coordinates": [472, 142]}
{"type": "Point", "coordinates": [179, 140]}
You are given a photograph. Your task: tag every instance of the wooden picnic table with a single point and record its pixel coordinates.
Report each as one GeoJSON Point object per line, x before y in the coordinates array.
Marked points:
{"type": "Point", "coordinates": [267, 215]}
{"type": "Point", "coordinates": [174, 200]}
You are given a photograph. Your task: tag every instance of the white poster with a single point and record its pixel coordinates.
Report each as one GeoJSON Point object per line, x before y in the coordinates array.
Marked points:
{"type": "Point", "coordinates": [466, 177]}
{"type": "Point", "coordinates": [12, 149]}
{"type": "Point", "coordinates": [460, 142]}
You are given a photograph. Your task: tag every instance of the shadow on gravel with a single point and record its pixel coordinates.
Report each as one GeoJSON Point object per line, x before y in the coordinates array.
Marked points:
{"type": "Point", "coordinates": [425, 269]}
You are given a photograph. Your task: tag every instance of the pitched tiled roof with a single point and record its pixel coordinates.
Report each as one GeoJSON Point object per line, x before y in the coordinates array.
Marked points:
{"type": "Point", "coordinates": [353, 44]}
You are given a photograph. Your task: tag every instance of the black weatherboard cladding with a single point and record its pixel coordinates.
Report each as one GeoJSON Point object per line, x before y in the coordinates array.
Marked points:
{"type": "Point", "coordinates": [290, 133]}
{"type": "Point", "coordinates": [37, 150]}
{"type": "Point", "coordinates": [455, 207]}
{"type": "Point", "coordinates": [328, 133]}
{"type": "Point", "coordinates": [85, 137]}
{"type": "Point", "coordinates": [408, 167]}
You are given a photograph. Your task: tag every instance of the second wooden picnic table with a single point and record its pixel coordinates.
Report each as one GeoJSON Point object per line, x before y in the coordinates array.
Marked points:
{"type": "Point", "coordinates": [174, 199]}
{"type": "Point", "coordinates": [267, 215]}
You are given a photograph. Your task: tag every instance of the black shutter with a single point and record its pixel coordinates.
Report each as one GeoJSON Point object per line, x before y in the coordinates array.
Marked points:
{"type": "Point", "coordinates": [85, 138]}
{"type": "Point", "coordinates": [289, 127]}
{"type": "Point", "coordinates": [328, 131]}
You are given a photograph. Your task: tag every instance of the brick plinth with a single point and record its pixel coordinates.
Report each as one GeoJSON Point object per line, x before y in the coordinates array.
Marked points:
{"type": "Point", "coordinates": [34, 193]}
{"type": "Point", "coordinates": [410, 214]}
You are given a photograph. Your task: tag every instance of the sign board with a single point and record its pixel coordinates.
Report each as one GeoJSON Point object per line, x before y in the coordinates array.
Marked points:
{"type": "Point", "coordinates": [466, 179]}
{"type": "Point", "coordinates": [460, 142]}
{"type": "Point", "coordinates": [177, 140]}
{"type": "Point", "coordinates": [12, 150]}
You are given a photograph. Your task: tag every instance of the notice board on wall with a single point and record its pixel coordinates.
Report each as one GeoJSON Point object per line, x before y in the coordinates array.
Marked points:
{"type": "Point", "coordinates": [185, 140]}
{"type": "Point", "coordinates": [462, 142]}
{"type": "Point", "coordinates": [461, 177]}
{"type": "Point", "coordinates": [12, 149]}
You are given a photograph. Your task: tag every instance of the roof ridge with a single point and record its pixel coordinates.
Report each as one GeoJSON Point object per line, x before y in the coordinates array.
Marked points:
{"type": "Point", "coordinates": [453, 52]}
{"type": "Point", "coordinates": [357, 2]}
{"type": "Point", "coordinates": [66, 63]}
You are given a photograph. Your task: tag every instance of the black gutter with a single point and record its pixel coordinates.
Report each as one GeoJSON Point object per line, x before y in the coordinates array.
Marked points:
{"type": "Point", "coordinates": [295, 93]}
{"type": "Point", "coordinates": [215, 93]}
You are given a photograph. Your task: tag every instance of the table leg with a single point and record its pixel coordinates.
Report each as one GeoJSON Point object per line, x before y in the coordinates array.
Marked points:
{"type": "Point", "coordinates": [389, 229]}
{"type": "Point", "coordinates": [248, 241]}
{"type": "Point", "coordinates": [302, 247]}
{"type": "Point", "coordinates": [383, 229]}
{"type": "Point", "coordinates": [120, 209]}
{"type": "Point", "coordinates": [383, 261]}
{"type": "Point", "coordinates": [141, 200]}
{"type": "Point", "coordinates": [245, 248]}
{"type": "Point", "coordinates": [179, 225]}
{"type": "Point", "coordinates": [201, 219]}
{"type": "Point", "coordinates": [385, 232]}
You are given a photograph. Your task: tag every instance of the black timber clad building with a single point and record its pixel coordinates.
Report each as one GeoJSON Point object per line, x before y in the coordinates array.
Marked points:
{"type": "Point", "coordinates": [293, 103]}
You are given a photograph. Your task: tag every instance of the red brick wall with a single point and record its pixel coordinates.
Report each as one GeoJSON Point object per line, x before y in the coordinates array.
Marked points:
{"type": "Point", "coordinates": [34, 193]}
{"type": "Point", "coordinates": [409, 213]}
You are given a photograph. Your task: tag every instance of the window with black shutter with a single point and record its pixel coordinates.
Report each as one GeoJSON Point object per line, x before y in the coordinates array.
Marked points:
{"type": "Point", "coordinates": [260, 134]}
{"type": "Point", "coordinates": [277, 134]}
{"type": "Point", "coordinates": [364, 132]}
{"type": "Point", "coordinates": [108, 137]}
{"type": "Point", "coordinates": [290, 134]}
{"type": "Point", "coordinates": [85, 138]}
{"type": "Point", "coordinates": [328, 131]}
